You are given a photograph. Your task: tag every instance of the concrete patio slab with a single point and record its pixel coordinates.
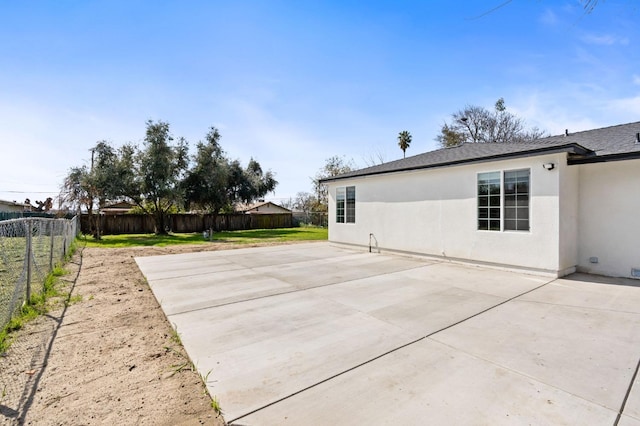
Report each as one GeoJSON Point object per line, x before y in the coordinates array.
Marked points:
{"type": "Point", "coordinates": [266, 349]}
{"type": "Point", "coordinates": [628, 421]}
{"type": "Point", "coordinates": [431, 383]}
{"type": "Point", "coordinates": [316, 334]}
{"type": "Point", "coordinates": [595, 356]}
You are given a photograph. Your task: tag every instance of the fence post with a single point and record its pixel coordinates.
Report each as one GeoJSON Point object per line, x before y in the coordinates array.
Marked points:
{"type": "Point", "coordinates": [52, 230]}
{"type": "Point", "coordinates": [65, 231]}
{"type": "Point", "coordinates": [28, 257]}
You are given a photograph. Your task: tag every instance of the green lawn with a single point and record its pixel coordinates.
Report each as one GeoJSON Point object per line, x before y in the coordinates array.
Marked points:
{"type": "Point", "coordinates": [233, 237]}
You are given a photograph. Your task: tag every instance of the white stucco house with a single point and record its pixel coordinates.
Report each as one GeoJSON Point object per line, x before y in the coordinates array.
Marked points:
{"type": "Point", "coordinates": [554, 206]}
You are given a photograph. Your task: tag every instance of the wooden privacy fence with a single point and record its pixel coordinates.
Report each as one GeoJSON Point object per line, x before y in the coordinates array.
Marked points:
{"type": "Point", "coordinates": [186, 223]}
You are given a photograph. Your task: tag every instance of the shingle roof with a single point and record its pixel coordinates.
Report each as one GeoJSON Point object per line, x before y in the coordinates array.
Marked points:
{"type": "Point", "coordinates": [587, 146]}
{"type": "Point", "coordinates": [247, 207]}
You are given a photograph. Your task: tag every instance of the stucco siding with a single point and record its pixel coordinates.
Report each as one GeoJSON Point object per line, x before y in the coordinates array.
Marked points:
{"type": "Point", "coordinates": [434, 212]}
{"type": "Point", "coordinates": [569, 197]}
{"type": "Point", "coordinates": [609, 229]}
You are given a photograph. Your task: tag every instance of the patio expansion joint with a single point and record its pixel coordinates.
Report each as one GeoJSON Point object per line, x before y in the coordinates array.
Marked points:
{"type": "Point", "coordinates": [626, 396]}
{"type": "Point", "coordinates": [396, 349]}
{"type": "Point", "coordinates": [193, 275]}
{"type": "Point", "coordinates": [296, 290]}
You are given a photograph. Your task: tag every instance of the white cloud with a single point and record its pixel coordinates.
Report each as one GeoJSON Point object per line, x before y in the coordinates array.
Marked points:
{"type": "Point", "coordinates": [573, 108]}
{"type": "Point", "coordinates": [626, 107]}
{"type": "Point", "coordinates": [604, 40]}
{"type": "Point", "coordinates": [548, 17]}
{"type": "Point", "coordinates": [40, 143]}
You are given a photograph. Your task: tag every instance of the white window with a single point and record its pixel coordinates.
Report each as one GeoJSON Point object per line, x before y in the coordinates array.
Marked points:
{"type": "Point", "coordinates": [340, 198]}
{"type": "Point", "coordinates": [489, 201]}
{"type": "Point", "coordinates": [503, 200]}
{"type": "Point", "coordinates": [346, 204]}
{"type": "Point", "coordinates": [351, 204]}
{"type": "Point", "coordinates": [516, 200]}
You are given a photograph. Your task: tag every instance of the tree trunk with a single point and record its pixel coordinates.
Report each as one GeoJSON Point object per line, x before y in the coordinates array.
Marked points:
{"type": "Point", "coordinates": [160, 222]}
{"type": "Point", "coordinates": [98, 232]}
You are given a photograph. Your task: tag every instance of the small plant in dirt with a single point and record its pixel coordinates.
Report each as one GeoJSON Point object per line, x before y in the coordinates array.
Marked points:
{"type": "Point", "coordinates": [215, 404]}
{"type": "Point", "coordinates": [73, 300]}
{"type": "Point", "coordinates": [189, 365]}
{"type": "Point", "coordinates": [175, 336]}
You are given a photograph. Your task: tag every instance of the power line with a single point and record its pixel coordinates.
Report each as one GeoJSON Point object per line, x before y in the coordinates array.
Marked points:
{"type": "Point", "coordinates": [489, 11]}
{"type": "Point", "coordinates": [30, 192]}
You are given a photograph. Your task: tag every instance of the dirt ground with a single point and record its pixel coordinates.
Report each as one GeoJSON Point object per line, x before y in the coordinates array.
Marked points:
{"type": "Point", "coordinates": [107, 356]}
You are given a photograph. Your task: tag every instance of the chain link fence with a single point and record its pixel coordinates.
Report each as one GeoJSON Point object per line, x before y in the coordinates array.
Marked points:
{"type": "Point", "coordinates": [311, 218]}
{"type": "Point", "coordinates": [29, 250]}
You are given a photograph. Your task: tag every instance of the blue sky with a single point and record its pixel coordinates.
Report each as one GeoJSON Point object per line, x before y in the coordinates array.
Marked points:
{"type": "Point", "coordinates": [292, 83]}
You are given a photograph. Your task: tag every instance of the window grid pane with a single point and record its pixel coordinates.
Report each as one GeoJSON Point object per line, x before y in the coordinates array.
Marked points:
{"type": "Point", "coordinates": [516, 200]}
{"type": "Point", "coordinates": [340, 199]}
{"type": "Point", "coordinates": [489, 201]}
{"type": "Point", "coordinates": [351, 204]}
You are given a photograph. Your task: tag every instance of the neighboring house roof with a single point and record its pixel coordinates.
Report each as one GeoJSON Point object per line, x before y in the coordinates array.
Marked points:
{"type": "Point", "coordinates": [606, 144]}
{"type": "Point", "coordinates": [119, 207]}
{"type": "Point", "coordinates": [13, 204]}
{"type": "Point", "coordinates": [265, 206]}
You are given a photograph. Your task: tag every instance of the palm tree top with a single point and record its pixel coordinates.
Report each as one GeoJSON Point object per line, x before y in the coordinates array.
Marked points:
{"type": "Point", "coordinates": [404, 140]}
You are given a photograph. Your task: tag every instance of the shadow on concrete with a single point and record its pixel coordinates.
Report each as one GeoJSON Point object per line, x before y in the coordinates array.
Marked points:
{"type": "Point", "coordinates": [601, 279]}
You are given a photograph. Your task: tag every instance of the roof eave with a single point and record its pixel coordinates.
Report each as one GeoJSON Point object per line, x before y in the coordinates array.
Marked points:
{"type": "Point", "coordinates": [573, 148]}
{"type": "Point", "coordinates": [604, 158]}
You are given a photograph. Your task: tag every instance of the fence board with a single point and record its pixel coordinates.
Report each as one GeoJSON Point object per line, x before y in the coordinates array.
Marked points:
{"type": "Point", "coordinates": [187, 223]}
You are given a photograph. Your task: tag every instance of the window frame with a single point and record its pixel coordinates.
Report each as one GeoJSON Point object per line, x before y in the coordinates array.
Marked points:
{"type": "Point", "coordinates": [341, 201]}
{"type": "Point", "coordinates": [503, 209]}
{"type": "Point", "coordinates": [488, 202]}
{"type": "Point", "coordinates": [521, 199]}
{"type": "Point", "coordinates": [350, 205]}
{"type": "Point", "coordinates": [346, 204]}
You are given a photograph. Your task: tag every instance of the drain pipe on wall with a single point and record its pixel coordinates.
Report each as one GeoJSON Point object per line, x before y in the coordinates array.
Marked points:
{"type": "Point", "coordinates": [371, 236]}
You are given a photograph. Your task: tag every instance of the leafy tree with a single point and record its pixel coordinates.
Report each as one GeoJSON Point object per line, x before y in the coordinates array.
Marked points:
{"type": "Point", "coordinates": [260, 183]}
{"type": "Point", "coordinates": [333, 166]}
{"type": "Point", "coordinates": [404, 140]}
{"type": "Point", "coordinates": [475, 124]}
{"type": "Point", "coordinates": [206, 182]}
{"type": "Point", "coordinates": [215, 183]}
{"type": "Point", "coordinates": [111, 171]}
{"type": "Point", "coordinates": [90, 188]}
{"type": "Point", "coordinates": [158, 180]}
{"type": "Point", "coordinates": [156, 186]}
{"type": "Point", "coordinates": [248, 184]}
{"type": "Point", "coordinates": [76, 190]}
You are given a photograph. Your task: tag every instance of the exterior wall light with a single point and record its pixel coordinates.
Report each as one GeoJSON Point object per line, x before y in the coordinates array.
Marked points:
{"type": "Point", "coordinates": [549, 166]}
